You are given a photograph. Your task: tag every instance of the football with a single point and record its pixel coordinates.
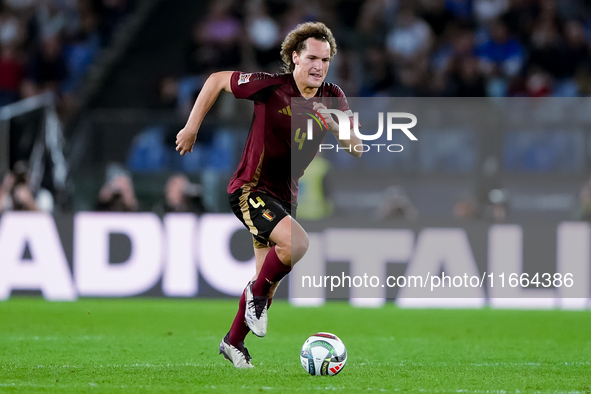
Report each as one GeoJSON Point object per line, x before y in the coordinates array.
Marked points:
{"type": "Point", "coordinates": [323, 354]}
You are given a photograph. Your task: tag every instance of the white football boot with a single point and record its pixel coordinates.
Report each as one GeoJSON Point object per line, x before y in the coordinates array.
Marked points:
{"type": "Point", "coordinates": [256, 312]}
{"type": "Point", "coordinates": [239, 356]}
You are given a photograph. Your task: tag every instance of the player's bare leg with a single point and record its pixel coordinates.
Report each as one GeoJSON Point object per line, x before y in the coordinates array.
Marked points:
{"type": "Point", "coordinates": [291, 243]}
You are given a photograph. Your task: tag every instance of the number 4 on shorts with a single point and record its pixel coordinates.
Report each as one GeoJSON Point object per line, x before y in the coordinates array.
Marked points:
{"type": "Point", "coordinates": [256, 204]}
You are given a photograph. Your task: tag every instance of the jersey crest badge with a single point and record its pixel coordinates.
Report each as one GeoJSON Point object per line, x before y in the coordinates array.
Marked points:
{"type": "Point", "coordinates": [244, 78]}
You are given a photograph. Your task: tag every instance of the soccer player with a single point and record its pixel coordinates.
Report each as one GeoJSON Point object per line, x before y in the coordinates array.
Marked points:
{"type": "Point", "coordinates": [263, 191]}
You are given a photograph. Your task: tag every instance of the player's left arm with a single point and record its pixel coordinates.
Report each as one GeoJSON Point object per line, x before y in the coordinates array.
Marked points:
{"type": "Point", "coordinates": [333, 127]}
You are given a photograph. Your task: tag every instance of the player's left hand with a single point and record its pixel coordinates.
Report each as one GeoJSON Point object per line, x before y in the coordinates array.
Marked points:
{"type": "Point", "coordinates": [332, 125]}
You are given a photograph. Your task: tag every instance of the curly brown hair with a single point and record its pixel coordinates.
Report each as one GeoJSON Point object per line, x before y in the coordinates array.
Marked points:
{"type": "Point", "coordinates": [296, 41]}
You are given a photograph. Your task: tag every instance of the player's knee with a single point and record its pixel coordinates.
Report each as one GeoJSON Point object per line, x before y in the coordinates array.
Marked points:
{"type": "Point", "coordinates": [299, 246]}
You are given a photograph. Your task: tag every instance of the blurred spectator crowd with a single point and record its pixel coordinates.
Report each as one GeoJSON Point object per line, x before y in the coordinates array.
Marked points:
{"type": "Point", "coordinates": [389, 48]}
{"type": "Point", "coordinates": [18, 193]}
{"type": "Point", "coordinates": [48, 45]}
{"type": "Point", "coordinates": [465, 48]}
{"type": "Point", "coordinates": [117, 194]}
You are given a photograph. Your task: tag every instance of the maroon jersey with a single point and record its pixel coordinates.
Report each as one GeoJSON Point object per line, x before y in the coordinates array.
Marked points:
{"type": "Point", "coordinates": [267, 163]}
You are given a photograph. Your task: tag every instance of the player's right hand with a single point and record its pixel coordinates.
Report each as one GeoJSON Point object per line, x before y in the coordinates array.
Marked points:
{"type": "Point", "coordinates": [184, 141]}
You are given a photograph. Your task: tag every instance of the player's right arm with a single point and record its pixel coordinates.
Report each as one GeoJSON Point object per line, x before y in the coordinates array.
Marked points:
{"type": "Point", "coordinates": [216, 82]}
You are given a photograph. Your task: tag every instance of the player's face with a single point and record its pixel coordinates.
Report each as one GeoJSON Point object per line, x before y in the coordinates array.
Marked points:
{"type": "Point", "coordinates": [312, 64]}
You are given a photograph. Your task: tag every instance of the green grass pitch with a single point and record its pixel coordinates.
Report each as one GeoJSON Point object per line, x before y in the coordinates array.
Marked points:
{"type": "Point", "coordinates": [170, 346]}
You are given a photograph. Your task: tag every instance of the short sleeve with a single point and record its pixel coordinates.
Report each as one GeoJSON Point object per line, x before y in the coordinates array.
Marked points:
{"type": "Point", "coordinates": [247, 85]}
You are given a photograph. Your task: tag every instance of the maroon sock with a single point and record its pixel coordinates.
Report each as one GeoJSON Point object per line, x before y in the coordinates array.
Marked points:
{"type": "Point", "coordinates": [239, 327]}
{"type": "Point", "coordinates": [273, 270]}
